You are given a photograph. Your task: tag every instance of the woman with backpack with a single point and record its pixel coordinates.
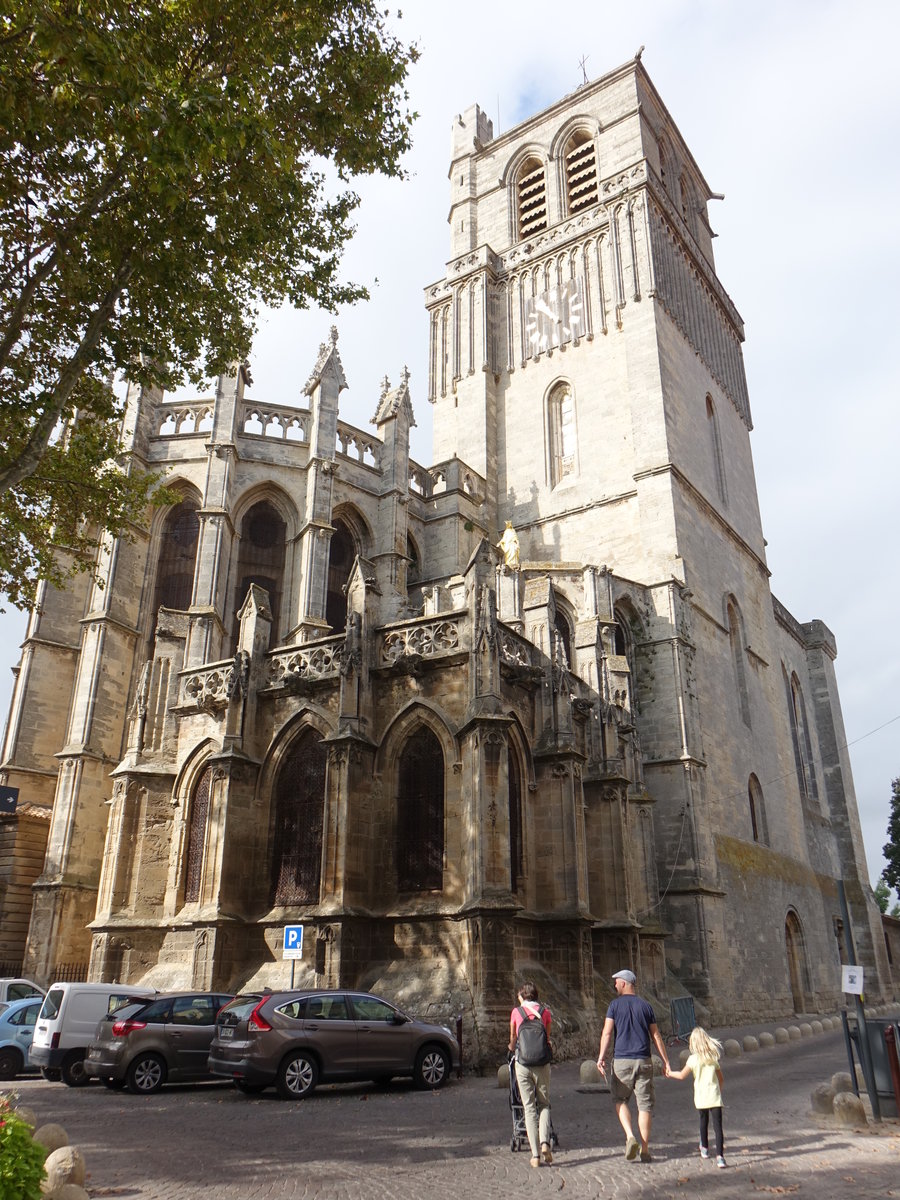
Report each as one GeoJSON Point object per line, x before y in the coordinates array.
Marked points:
{"type": "Point", "coordinates": [529, 1039]}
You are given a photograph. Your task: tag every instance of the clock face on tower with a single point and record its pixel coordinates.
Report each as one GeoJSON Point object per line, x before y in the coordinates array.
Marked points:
{"type": "Point", "coordinates": [555, 317]}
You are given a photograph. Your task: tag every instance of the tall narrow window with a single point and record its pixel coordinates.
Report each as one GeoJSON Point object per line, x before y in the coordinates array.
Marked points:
{"type": "Point", "coordinates": [531, 198]}
{"type": "Point", "coordinates": [715, 442]}
{"type": "Point", "coordinates": [341, 555]}
{"type": "Point", "coordinates": [758, 825]}
{"type": "Point", "coordinates": [420, 814]}
{"type": "Point", "coordinates": [196, 838]}
{"type": "Point", "coordinates": [581, 172]}
{"type": "Point", "coordinates": [260, 560]}
{"type": "Point", "coordinates": [561, 428]}
{"type": "Point", "coordinates": [516, 856]}
{"type": "Point", "coordinates": [564, 636]}
{"type": "Point", "coordinates": [736, 639]}
{"type": "Point", "coordinates": [177, 557]}
{"type": "Point", "coordinates": [803, 758]}
{"type": "Point", "coordinates": [299, 815]}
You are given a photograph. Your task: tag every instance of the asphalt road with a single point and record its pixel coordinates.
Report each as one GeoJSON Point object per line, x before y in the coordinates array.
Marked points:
{"type": "Point", "coordinates": [355, 1141]}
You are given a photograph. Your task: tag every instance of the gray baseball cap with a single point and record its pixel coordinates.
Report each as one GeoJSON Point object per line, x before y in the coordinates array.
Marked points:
{"type": "Point", "coordinates": [626, 976]}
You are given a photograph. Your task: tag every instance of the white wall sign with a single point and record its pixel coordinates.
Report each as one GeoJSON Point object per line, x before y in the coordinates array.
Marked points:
{"type": "Point", "coordinates": [852, 980]}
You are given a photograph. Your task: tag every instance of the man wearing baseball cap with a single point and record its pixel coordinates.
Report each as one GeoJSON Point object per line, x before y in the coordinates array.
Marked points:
{"type": "Point", "coordinates": [633, 1022]}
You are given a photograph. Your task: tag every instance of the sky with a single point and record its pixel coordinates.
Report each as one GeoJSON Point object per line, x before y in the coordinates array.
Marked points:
{"type": "Point", "coordinates": [792, 110]}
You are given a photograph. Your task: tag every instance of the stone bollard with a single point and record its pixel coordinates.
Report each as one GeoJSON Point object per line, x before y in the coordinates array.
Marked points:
{"type": "Point", "coordinates": [589, 1073]}
{"type": "Point", "coordinates": [817, 1027]}
{"type": "Point", "coordinates": [65, 1165]}
{"type": "Point", "coordinates": [849, 1110]}
{"type": "Point", "coordinates": [794, 1033]}
{"type": "Point", "coordinates": [827, 1024]}
{"type": "Point", "coordinates": [51, 1137]}
{"type": "Point", "coordinates": [842, 1082]}
{"type": "Point", "coordinates": [822, 1098]}
{"type": "Point", "coordinates": [749, 1044]}
{"type": "Point", "coordinates": [766, 1040]}
{"type": "Point", "coordinates": [26, 1114]}
{"type": "Point", "coordinates": [70, 1191]}
{"type": "Point", "coordinates": [732, 1048]}
{"type": "Point", "coordinates": [683, 1057]}
{"type": "Point", "coordinates": [781, 1035]}
{"type": "Point", "coordinates": [806, 1029]}
{"type": "Point", "coordinates": [503, 1076]}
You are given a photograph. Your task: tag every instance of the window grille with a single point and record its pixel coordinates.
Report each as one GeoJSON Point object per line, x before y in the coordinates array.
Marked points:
{"type": "Point", "coordinates": [581, 173]}
{"type": "Point", "coordinates": [531, 190]}
{"type": "Point", "coordinates": [260, 560]}
{"type": "Point", "coordinates": [420, 814]}
{"type": "Point", "coordinates": [197, 838]}
{"type": "Point", "coordinates": [299, 817]}
{"type": "Point", "coordinates": [177, 557]}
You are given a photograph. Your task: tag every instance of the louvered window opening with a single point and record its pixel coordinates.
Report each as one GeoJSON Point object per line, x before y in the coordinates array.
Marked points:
{"type": "Point", "coordinates": [581, 176]}
{"type": "Point", "coordinates": [420, 815]}
{"type": "Point", "coordinates": [299, 818]}
{"type": "Point", "coordinates": [178, 554]}
{"type": "Point", "coordinates": [532, 199]}
{"type": "Point", "coordinates": [193, 869]}
{"type": "Point", "coordinates": [260, 561]}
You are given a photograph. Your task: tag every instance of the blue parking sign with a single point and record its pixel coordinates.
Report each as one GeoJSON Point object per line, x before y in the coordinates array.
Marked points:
{"type": "Point", "coordinates": [293, 941]}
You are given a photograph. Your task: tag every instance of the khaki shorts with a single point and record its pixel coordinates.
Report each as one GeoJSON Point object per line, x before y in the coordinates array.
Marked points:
{"type": "Point", "coordinates": [633, 1077]}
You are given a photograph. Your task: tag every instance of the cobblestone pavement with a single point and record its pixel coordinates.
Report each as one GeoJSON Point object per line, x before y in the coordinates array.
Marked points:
{"type": "Point", "coordinates": [351, 1142]}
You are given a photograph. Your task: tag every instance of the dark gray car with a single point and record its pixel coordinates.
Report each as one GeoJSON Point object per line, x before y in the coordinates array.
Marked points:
{"type": "Point", "coordinates": [295, 1040]}
{"type": "Point", "coordinates": [166, 1038]}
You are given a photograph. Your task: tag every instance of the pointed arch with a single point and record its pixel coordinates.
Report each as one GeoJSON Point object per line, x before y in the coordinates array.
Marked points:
{"type": "Point", "coordinates": [420, 813]}
{"type": "Point", "coordinates": [758, 823]}
{"type": "Point", "coordinates": [582, 184]}
{"type": "Point", "coordinates": [351, 538]}
{"type": "Point", "coordinates": [260, 560]}
{"type": "Point", "coordinates": [797, 961]}
{"type": "Point", "coordinates": [298, 802]}
{"type": "Point", "coordinates": [801, 739]}
{"type": "Point", "coordinates": [562, 433]}
{"type": "Point", "coordinates": [196, 839]}
{"type": "Point", "coordinates": [737, 642]}
{"type": "Point", "coordinates": [715, 441]}
{"type": "Point", "coordinates": [530, 197]}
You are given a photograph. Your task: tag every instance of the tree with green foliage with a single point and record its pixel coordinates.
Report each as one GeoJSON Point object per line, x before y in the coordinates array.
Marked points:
{"type": "Point", "coordinates": [882, 895]}
{"type": "Point", "coordinates": [891, 849]}
{"type": "Point", "coordinates": [163, 175]}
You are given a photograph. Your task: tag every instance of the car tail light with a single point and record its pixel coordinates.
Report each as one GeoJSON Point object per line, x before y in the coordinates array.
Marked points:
{"type": "Point", "coordinates": [255, 1021]}
{"type": "Point", "coordinates": [54, 1041]}
{"type": "Point", "coordinates": [123, 1028]}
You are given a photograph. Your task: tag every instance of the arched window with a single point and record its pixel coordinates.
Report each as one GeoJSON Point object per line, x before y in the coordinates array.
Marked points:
{"type": "Point", "coordinates": [798, 969]}
{"type": "Point", "coordinates": [341, 556]}
{"type": "Point", "coordinates": [736, 639]}
{"type": "Point", "coordinates": [562, 433]}
{"type": "Point", "coordinates": [758, 825]}
{"type": "Point", "coordinates": [412, 566]}
{"type": "Point", "coordinates": [715, 441]}
{"type": "Point", "coordinates": [177, 557]}
{"type": "Point", "coordinates": [516, 841]}
{"type": "Point", "coordinates": [564, 636]}
{"type": "Point", "coordinates": [196, 837]}
{"type": "Point", "coordinates": [531, 198]}
{"type": "Point", "coordinates": [581, 172]}
{"type": "Point", "coordinates": [260, 560]}
{"type": "Point", "coordinates": [803, 757]}
{"type": "Point", "coordinates": [299, 814]}
{"type": "Point", "coordinates": [420, 814]}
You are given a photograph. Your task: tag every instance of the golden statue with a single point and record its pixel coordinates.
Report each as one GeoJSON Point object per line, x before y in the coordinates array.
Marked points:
{"type": "Point", "coordinates": [509, 544]}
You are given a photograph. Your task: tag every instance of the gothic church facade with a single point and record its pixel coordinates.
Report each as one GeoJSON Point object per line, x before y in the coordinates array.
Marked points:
{"type": "Point", "coordinates": [317, 691]}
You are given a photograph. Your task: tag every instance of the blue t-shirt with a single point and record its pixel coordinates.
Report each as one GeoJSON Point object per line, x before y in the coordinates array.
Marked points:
{"type": "Point", "coordinates": [633, 1017]}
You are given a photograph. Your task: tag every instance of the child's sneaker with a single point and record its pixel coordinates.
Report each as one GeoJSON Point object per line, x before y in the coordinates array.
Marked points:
{"type": "Point", "coordinates": [720, 1162]}
{"type": "Point", "coordinates": [704, 1152]}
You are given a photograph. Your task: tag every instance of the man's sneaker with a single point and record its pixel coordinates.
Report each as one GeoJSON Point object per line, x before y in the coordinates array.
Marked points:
{"type": "Point", "coordinates": [720, 1162]}
{"type": "Point", "coordinates": [632, 1148]}
{"type": "Point", "coordinates": [704, 1152]}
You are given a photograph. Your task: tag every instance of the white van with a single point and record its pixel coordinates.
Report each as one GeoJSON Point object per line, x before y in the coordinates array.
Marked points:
{"type": "Point", "coordinates": [67, 1021]}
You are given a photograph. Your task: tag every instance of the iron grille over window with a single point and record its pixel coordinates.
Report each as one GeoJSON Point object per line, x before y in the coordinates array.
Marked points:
{"type": "Point", "coordinates": [581, 173]}
{"type": "Point", "coordinates": [260, 560]}
{"type": "Point", "coordinates": [197, 838]}
{"type": "Point", "coordinates": [175, 569]}
{"type": "Point", "coordinates": [299, 815]}
{"type": "Point", "coordinates": [420, 814]}
{"type": "Point", "coordinates": [531, 194]}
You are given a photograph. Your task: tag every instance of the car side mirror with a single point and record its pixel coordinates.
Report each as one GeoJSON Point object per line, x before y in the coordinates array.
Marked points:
{"type": "Point", "coordinates": [397, 1019]}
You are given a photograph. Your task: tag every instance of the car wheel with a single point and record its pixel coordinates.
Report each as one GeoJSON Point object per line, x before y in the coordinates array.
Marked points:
{"type": "Point", "coordinates": [432, 1067]}
{"type": "Point", "coordinates": [249, 1089]}
{"type": "Point", "coordinates": [72, 1070]}
{"type": "Point", "coordinates": [114, 1085]}
{"type": "Point", "coordinates": [11, 1062]}
{"type": "Point", "coordinates": [297, 1076]}
{"type": "Point", "coordinates": [146, 1074]}
{"type": "Point", "coordinates": [50, 1074]}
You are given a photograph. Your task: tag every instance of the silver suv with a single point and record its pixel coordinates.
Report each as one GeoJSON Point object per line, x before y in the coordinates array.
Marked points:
{"type": "Point", "coordinates": [295, 1040]}
{"type": "Point", "coordinates": [144, 1045]}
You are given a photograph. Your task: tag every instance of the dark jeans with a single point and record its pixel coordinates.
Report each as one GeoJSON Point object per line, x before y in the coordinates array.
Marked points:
{"type": "Point", "coordinates": [716, 1114]}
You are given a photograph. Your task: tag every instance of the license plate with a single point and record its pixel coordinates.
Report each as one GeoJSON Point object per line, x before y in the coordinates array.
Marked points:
{"type": "Point", "coordinates": [226, 1032]}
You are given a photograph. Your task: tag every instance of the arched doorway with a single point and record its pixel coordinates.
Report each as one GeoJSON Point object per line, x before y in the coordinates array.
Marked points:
{"type": "Point", "coordinates": [796, 958]}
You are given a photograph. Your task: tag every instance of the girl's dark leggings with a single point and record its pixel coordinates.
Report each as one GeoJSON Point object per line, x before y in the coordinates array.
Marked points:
{"type": "Point", "coordinates": [716, 1114]}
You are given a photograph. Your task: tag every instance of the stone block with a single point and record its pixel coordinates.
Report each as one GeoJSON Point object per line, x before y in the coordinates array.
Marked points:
{"type": "Point", "coordinates": [817, 1027]}
{"type": "Point", "coordinates": [827, 1024]}
{"type": "Point", "coordinates": [588, 1072]}
{"type": "Point", "coordinates": [841, 1081]}
{"type": "Point", "coordinates": [732, 1048]}
{"type": "Point", "coordinates": [750, 1044]}
{"type": "Point", "coordinates": [848, 1109]}
{"type": "Point", "coordinates": [781, 1035]}
{"type": "Point", "coordinates": [794, 1033]}
{"type": "Point", "coordinates": [70, 1191]}
{"type": "Point", "coordinates": [822, 1098]}
{"type": "Point", "coordinates": [806, 1030]}
{"type": "Point", "coordinates": [65, 1165]}
{"type": "Point", "coordinates": [51, 1137]}
{"type": "Point", "coordinates": [766, 1040]}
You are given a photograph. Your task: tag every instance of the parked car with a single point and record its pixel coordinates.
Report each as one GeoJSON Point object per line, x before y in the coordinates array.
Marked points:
{"type": "Point", "coordinates": [67, 1022]}
{"type": "Point", "coordinates": [297, 1039]}
{"type": "Point", "coordinates": [143, 1046]}
{"type": "Point", "coordinates": [18, 989]}
{"type": "Point", "coordinates": [17, 1021]}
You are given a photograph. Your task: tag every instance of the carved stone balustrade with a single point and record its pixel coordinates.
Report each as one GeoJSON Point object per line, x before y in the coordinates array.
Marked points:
{"type": "Point", "coordinates": [297, 666]}
{"type": "Point", "coordinates": [208, 688]}
{"type": "Point", "coordinates": [423, 639]}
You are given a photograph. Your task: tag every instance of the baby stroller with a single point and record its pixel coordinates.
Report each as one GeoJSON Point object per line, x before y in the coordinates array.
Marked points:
{"type": "Point", "coordinates": [519, 1139]}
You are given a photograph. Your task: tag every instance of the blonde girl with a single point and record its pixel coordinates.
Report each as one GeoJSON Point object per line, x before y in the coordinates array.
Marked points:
{"type": "Point", "coordinates": [703, 1064]}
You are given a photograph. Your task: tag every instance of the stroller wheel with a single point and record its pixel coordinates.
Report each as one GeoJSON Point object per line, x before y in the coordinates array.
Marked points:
{"type": "Point", "coordinates": [513, 1145]}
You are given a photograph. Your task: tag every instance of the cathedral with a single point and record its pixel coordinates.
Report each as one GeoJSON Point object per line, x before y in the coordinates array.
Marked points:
{"type": "Point", "coordinates": [529, 711]}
